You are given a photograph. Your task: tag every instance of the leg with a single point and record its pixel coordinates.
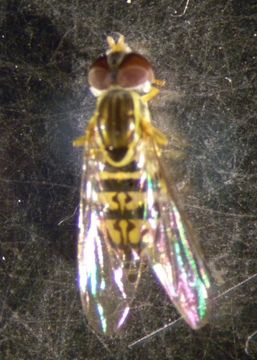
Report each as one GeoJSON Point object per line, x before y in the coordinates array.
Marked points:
{"type": "Point", "coordinates": [159, 82]}
{"type": "Point", "coordinates": [154, 91]}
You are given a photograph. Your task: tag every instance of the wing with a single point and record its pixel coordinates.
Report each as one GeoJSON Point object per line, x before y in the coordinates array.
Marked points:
{"type": "Point", "coordinates": [104, 270]}
{"type": "Point", "coordinates": [170, 247]}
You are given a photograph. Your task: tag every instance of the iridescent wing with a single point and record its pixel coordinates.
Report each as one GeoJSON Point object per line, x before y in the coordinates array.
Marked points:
{"type": "Point", "coordinates": [108, 276]}
{"type": "Point", "coordinates": [170, 246]}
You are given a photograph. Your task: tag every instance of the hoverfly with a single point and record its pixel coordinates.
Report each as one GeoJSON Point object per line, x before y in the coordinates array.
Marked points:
{"type": "Point", "coordinates": [128, 213]}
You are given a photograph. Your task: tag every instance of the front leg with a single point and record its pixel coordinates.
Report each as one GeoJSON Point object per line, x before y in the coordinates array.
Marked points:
{"type": "Point", "coordinates": [154, 91]}
{"type": "Point", "coordinates": [149, 96]}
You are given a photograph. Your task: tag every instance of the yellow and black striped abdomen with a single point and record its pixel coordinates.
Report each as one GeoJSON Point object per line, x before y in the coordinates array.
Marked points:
{"type": "Point", "coordinates": [123, 198]}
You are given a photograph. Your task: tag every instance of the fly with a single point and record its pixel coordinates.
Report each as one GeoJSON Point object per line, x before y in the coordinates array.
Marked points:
{"type": "Point", "coordinates": [128, 212]}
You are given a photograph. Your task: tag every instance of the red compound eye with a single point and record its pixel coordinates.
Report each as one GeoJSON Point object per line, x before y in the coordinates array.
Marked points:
{"type": "Point", "coordinates": [129, 71]}
{"type": "Point", "coordinates": [100, 75]}
{"type": "Point", "coordinates": [134, 71]}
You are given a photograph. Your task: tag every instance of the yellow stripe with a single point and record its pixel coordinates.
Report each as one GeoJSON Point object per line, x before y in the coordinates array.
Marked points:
{"type": "Point", "coordinates": [118, 201]}
{"type": "Point", "coordinates": [105, 175]}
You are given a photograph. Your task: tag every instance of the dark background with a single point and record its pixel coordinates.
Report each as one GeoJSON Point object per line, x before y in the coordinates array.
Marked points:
{"type": "Point", "coordinates": [208, 58]}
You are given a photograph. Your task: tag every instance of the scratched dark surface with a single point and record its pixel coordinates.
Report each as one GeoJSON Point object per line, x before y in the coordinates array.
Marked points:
{"type": "Point", "coordinates": [208, 58]}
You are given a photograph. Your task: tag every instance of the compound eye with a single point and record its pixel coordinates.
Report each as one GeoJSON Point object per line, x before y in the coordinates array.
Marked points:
{"type": "Point", "coordinates": [134, 71]}
{"type": "Point", "coordinates": [99, 75]}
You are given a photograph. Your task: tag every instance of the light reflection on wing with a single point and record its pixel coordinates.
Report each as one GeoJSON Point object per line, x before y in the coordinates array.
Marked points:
{"type": "Point", "coordinates": [106, 292]}
{"type": "Point", "coordinates": [173, 255]}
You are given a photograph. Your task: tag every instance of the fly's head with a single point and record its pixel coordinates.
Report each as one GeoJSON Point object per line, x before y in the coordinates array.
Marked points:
{"type": "Point", "coordinates": [121, 67]}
